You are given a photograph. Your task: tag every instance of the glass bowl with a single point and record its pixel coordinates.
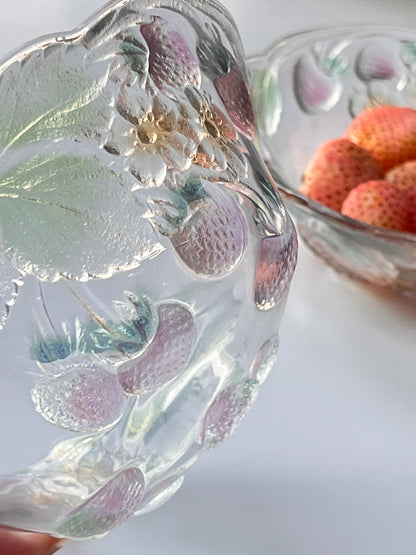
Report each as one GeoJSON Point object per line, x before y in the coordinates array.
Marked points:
{"type": "Point", "coordinates": [145, 261]}
{"type": "Point", "coordinates": [306, 88]}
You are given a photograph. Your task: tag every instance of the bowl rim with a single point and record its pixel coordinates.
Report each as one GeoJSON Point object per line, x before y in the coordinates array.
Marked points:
{"type": "Point", "coordinates": [338, 30]}
{"type": "Point", "coordinates": [276, 50]}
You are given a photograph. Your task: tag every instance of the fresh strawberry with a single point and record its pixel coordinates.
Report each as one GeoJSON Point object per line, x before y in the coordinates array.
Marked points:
{"type": "Point", "coordinates": [404, 177]}
{"type": "Point", "coordinates": [337, 167]}
{"type": "Point", "coordinates": [387, 132]}
{"type": "Point", "coordinates": [378, 203]}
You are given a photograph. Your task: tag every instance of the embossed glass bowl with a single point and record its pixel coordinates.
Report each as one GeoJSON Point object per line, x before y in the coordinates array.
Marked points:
{"type": "Point", "coordinates": [306, 88]}
{"type": "Point", "coordinates": [145, 260]}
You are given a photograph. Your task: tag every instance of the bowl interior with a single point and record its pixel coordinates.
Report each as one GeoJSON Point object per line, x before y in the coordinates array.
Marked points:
{"type": "Point", "coordinates": [307, 87]}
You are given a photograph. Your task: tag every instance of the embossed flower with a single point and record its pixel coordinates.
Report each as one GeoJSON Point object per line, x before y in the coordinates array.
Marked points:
{"type": "Point", "coordinates": [149, 132]}
{"type": "Point", "coordinates": [218, 150]}
{"type": "Point", "coordinates": [158, 134]}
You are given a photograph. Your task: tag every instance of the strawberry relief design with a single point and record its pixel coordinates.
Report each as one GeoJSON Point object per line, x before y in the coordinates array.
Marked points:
{"type": "Point", "coordinates": [145, 260]}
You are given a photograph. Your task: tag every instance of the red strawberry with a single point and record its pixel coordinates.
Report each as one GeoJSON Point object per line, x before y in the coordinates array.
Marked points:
{"type": "Point", "coordinates": [388, 132]}
{"type": "Point", "coordinates": [404, 177]}
{"type": "Point", "coordinates": [378, 203]}
{"type": "Point", "coordinates": [337, 167]}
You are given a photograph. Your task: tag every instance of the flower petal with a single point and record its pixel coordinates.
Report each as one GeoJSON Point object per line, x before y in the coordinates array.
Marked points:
{"type": "Point", "coordinates": [178, 153]}
{"type": "Point", "coordinates": [120, 139]}
{"type": "Point", "coordinates": [148, 167]}
{"type": "Point", "coordinates": [134, 104]}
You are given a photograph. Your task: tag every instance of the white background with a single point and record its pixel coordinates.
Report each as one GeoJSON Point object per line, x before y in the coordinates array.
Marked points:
{"type": "Point", "coordinates": [325, 463]}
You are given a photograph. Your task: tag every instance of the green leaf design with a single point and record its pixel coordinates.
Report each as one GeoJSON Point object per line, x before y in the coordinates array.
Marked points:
{"type": "Point", "coordinates": [53, 93]}
{"type": "Point", "coordinates": [112, 341]}
{"type": "Point", "coordinates": [70, 215]}
{"type": "Point", "coordinates": [267, 100]}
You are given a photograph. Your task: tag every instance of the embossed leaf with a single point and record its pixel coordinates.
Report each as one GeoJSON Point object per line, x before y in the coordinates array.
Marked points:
{"type": "Point", "coordinates": [112, 341]}
{"type": "Point", "coordinates": [66, 215]}
{"type": "Point", "coordinates": [267, 99]}
{"type": "Point", "coordinates": [51, 94]}
{"type": "Point", "coordinates": [214, 58]}
{"type": "Point", "coordinates": [10, 279]}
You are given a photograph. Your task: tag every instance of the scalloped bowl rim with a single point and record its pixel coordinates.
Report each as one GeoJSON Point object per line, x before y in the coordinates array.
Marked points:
{"type": "Point", "coordinates": [293, 195]}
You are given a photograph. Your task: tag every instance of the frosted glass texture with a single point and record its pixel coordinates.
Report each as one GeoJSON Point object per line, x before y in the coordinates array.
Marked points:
{"type": "Point", "coordinates": [145, 259]}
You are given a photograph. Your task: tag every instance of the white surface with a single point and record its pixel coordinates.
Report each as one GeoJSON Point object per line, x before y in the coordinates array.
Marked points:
{"type": "Point", "coordinates": [325, 463]}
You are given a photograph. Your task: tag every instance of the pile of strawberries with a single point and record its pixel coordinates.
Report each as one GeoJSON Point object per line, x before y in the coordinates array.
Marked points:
{"type": "Point", "coordinates": [370, 173]}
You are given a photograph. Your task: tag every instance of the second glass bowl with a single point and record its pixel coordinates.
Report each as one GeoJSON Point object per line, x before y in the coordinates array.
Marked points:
{"type": "Point", "coordinates": [307, 87]}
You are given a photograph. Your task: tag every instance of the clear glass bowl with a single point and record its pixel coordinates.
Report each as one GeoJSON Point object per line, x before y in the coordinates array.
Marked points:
{"type": "Point", "coordinates": [306, 88]}
{"type": "Point", "coordinates": [145, 260]}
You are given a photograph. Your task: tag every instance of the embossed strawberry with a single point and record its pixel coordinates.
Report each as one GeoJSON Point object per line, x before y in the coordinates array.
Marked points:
{"type": "Point", "coordinates": [234, 93]}
{"type": "Point", "coordinates": [275, 268]}
{"type": "Point", "coordinates": [379, 203]}
{"type": "Point", "coordinates": [213, 240]}
{"type": "Point", "coordinates": [171, 62]}
{"type": "Point", "coordinates": [387, 132]}
{"type": "Point", "coordinates": [166, 356]}
{"type": "Point", "coordinates": [337, 167]}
